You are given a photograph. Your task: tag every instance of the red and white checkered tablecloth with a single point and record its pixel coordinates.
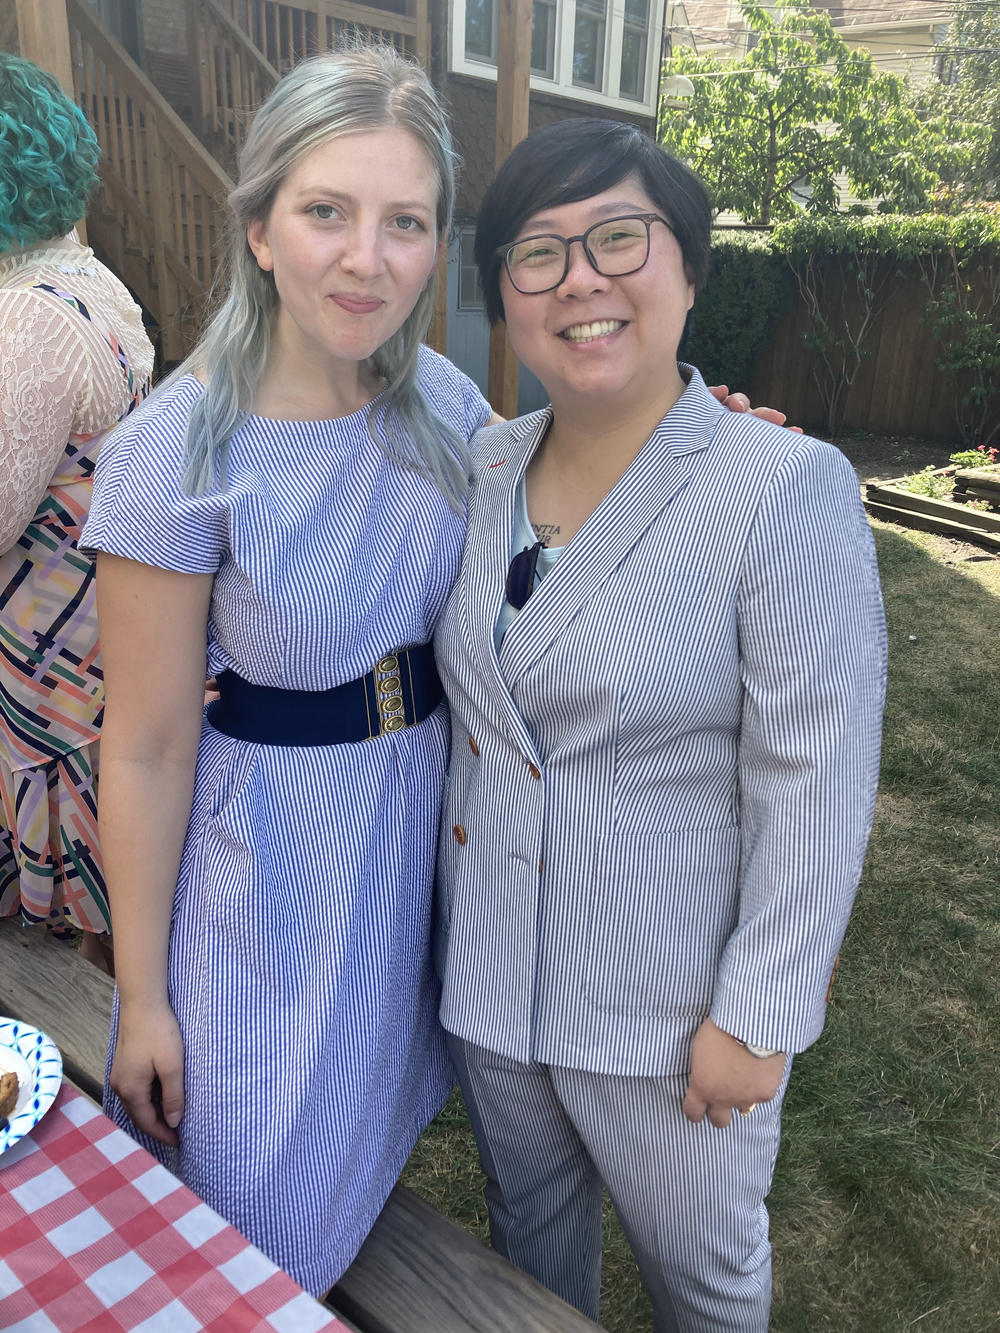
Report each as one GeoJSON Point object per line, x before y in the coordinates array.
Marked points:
{"type": "Point", "coordinates": [97, 1236]}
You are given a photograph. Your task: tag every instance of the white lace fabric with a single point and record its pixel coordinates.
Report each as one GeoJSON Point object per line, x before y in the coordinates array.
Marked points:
{"type": "Point", "coordinates": [59, 377]}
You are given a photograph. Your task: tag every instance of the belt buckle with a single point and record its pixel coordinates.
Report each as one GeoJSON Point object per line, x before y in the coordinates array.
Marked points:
{"type": "Point", "coordinates": [389, 693]}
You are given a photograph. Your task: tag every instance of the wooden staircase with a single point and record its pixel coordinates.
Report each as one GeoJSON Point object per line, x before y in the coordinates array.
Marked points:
{"type": "Point", "coordinates": [243, 46]}
{"type": "Point", "coordinates": [159, 217]}
{"type": "Point", "coordinates": [159, 214]}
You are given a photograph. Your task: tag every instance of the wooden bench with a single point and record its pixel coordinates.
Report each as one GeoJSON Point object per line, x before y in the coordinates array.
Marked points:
{"type": "Point", "coordinates": [416, 1273]}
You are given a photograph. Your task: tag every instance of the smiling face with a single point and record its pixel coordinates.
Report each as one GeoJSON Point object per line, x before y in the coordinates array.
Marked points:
{"type": "Point", "coordinates": [351, 240]}
{"type": "Point", "coordinates": [605, 340]}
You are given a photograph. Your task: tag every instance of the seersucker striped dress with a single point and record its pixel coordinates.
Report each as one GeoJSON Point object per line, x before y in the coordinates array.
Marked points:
{"type": "Point", "coordinates": [299, 968]}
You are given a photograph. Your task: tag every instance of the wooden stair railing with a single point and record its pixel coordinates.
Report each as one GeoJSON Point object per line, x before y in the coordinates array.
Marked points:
{"type": "Point", "coordinates": [285, 31]}
{"type": "Point", "coordinates": [232, 78]}
{"type": "Point", "coordinates": [160, 211]}
{"type": "Point", "coordinates": [241, 47]}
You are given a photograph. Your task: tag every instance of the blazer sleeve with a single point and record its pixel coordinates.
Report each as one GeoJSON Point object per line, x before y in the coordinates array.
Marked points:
{"type": "Point", "coordinates": [813, 661]}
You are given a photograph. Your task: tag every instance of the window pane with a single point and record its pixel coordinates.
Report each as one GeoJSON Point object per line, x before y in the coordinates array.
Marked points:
{"type": "Point", "coordinates": [635, 12]}
{"type": "Point", "coordinates": [470, 295]}
{"type": "Point", "coordinates": [543, 32]}
{"type": "Point", "coordinates": [588, 48]}
{"type": "Point", "coordinates": [633, 63]}
{"type": "Point", "coordinates": [479, 29]}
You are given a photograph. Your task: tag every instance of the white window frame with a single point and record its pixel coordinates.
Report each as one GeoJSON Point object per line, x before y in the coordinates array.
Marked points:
{"type": "Point", "coordinates": [561, 85]}
{"type": "Point", "coordinates": [599, 17]}
{"type": "Point", "coordinates": [478, 59]}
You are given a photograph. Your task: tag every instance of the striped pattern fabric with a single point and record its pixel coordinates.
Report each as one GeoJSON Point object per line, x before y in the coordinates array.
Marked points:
{"type": "Point", "coordinates": [299, 965]}
{"type": "Point", "coordinates": [667, 795]}
{"type": "Point", "coordinates": [52, 695]}
{"type": "Point", "coordinates": [660, 793]}
{"type": "Point", "coordinates": [690, 1197]}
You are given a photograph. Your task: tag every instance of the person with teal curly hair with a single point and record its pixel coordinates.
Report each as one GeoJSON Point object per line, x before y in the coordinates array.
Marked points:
{"type": "Point", "coordinates": [74, 358]}
{"type": "Point", "coordinates": [48, 156]}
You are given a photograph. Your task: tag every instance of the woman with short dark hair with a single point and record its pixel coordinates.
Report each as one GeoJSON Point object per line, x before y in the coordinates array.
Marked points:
{"type": "Point", "coordinates": [586, 157]}
{"type": "Point", "coordinates": [665, 658]}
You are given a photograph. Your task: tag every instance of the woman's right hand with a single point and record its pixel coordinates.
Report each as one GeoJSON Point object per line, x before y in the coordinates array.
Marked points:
{"type": "Point", "coordinates": [147, 1072]}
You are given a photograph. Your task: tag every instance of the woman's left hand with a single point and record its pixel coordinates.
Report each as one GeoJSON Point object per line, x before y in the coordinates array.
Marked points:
{"type": "Point", "coordinates": [726, 1077]}
{"type": "Point", "coordinates": [739, 402]}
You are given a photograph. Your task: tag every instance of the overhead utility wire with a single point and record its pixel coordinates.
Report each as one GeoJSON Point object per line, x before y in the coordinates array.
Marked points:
{"type": "Point", "coordinates": [740, 70]}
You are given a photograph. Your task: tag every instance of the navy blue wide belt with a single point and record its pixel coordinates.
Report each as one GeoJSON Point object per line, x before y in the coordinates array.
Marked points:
{"type": "Point", "coordinates": [403, 689]}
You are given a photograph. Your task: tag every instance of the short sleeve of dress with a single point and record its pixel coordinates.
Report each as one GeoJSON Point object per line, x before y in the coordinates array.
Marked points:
{"type": "Point", "coordinates": [452, 394]}
{"type": "Point", "coordinates": [139, 510]}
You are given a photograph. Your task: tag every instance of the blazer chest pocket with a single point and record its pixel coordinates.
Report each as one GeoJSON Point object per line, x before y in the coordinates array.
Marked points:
{"type": "Point", "coordinates": [661, 909]}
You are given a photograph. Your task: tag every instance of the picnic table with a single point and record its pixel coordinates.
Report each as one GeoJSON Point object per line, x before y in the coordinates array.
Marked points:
{"type": "Point", "coordinates": [416, 1273]}
{"type": "Point", "coordinates": [96, 1234]}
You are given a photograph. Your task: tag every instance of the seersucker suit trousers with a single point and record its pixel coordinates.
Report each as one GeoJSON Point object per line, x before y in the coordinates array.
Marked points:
{"type": "Point", "coordinates": [690, 1198]}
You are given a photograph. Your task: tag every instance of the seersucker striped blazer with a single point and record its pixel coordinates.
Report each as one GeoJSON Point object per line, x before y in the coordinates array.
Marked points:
{"type": "Point", "coordinates": [662, 787]}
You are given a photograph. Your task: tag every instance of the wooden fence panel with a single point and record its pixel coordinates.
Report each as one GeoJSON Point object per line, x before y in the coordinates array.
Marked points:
{"type": "Point", "coordinates": [899, 388]}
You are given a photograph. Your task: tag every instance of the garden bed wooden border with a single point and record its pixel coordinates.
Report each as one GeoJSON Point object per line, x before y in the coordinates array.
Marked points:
{"type": "Point", "coordinates": [889, 501]}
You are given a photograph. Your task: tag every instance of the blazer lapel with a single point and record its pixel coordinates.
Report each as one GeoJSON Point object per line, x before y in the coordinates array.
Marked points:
{"type": "Point", "coordinates": [658, 474]}
{"type": "Point", "coordinates": [488, 549]}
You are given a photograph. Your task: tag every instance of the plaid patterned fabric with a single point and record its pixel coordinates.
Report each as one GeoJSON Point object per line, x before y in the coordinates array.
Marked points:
{"type": "Point", "coordinates": [96, 1236]}
{"type": "Point", "coordinates": [52, 695]}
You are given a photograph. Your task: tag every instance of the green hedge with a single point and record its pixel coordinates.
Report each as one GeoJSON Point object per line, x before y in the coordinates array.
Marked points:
{"type": "Point", "coordinates": [749, 288]}
{"type": "Point", "coordinates": [973, 236]}
{"type": "Point", "coordinates": [755, 276]}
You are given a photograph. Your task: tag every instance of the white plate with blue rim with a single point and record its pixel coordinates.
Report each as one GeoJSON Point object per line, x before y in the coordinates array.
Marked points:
{"type": "Point", "coordinates": [35, 1059]}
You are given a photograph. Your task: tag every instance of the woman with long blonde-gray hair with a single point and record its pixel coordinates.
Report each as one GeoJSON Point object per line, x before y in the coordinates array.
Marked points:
{"type": "Point", "coordinates": [286, 514]}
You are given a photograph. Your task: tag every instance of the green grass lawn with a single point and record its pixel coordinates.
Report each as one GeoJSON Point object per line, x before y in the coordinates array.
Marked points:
{"type": "Point", "coordinates": [886, 1200]}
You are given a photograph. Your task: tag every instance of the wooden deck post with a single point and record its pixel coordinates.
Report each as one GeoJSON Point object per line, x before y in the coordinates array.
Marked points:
{"type": "Point", "coordinates": [422, 41]}
{"type": "Point", "coordinates": [513, 75]}
{"type": "Point", "coordinates": [437, 333]}
{"type": "Point", "coordinates": [43, 36]}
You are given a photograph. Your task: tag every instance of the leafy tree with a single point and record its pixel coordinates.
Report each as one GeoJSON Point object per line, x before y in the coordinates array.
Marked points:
{"type": "Point", "coordinates": [971, 62]}
{"type": "Point", "coordinates": [802, 107]}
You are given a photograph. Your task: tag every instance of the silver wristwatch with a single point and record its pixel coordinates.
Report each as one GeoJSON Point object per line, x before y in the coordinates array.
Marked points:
{"type": "Point", "coordinates": [761, 1052]}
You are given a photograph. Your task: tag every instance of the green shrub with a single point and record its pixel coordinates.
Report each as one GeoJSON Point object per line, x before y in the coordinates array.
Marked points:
{"type": "Point", "coordinates": [935, 485]}
{"type": "Point", "coordinates": [980, 457]}
{"type": "Point", "coordinates": [749, 288]}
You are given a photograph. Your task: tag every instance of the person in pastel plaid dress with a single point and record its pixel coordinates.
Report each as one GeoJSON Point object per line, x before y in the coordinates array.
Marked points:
{"type": "Point", "coordinates": [74, 360]}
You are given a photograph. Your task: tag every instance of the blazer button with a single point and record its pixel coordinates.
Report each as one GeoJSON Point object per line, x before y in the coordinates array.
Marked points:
{"type": "Point", "coordinates": [472, 745]}
{"type": "Point", "coordinates": [459, 833]}
{"type": "Point", "coordinates": [535, 772]}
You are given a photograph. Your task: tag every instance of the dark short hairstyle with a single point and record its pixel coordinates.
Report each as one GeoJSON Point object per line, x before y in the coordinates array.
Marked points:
{"type": "Point", "coordinates": [48, 156]}
{"type": "Point", "coordinates": [573, 160]}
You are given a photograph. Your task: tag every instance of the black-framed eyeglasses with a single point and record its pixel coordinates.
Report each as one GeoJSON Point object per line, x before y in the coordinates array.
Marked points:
{"type": "Point", "coordinates": [614, 247]}
{"type": "Point", "coordinates": [521, 575]}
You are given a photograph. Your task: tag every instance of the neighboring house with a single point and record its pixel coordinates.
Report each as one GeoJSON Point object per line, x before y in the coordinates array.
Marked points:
{"type": "Point", "coordinates": [710, 27]}
{"type": "Point", "coordinates": [900, 34]}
